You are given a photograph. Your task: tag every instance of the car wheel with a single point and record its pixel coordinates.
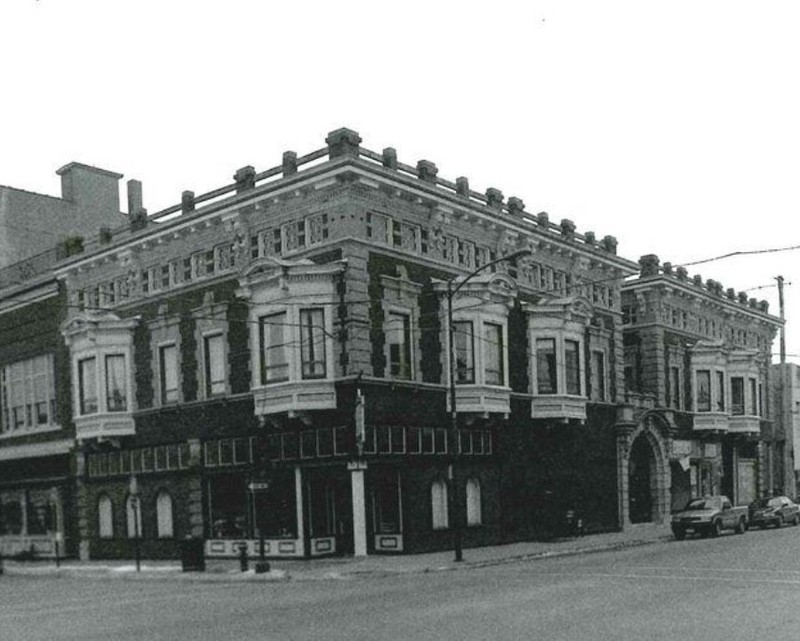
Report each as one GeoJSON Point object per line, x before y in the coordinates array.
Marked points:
{"type": "Point", "coordinates": [796, 519]}
{"type": "Point", "coordinates": [779, 522]}
{"type": "Point", "coordinates": [679, 533]}
{"type": "Point", "coordinates": [741, 526]}
{"type": "Point", "coordinates": [716, 529]}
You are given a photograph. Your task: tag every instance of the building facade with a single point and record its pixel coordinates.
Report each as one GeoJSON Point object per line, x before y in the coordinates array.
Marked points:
{"type": "Point", "coordinates": [272, 363]}
{"type": "Point", "coordinates": [697, 369]}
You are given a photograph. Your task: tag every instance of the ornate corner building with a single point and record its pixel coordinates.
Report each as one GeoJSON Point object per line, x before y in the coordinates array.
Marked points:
{"type": "Point", "coordinates": [272, 361]}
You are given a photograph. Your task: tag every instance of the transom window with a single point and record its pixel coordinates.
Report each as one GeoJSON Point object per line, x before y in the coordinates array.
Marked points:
{"type": "Point", "coordinates": [28, 394]}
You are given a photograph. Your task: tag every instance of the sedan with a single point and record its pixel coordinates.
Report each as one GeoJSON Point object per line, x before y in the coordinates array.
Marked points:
{"type": "Point", "coordinates": [774, 511]}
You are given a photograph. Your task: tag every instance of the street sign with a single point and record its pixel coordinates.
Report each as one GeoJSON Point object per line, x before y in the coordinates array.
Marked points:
{"type": "Point", "coordinates": [257, 486]}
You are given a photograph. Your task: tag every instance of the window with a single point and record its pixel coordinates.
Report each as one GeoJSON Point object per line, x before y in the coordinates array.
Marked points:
{"type": "Point", "coordinates": [105, 517]}
{"type": "Point", "coordinates": [703, 377]}
{"type": "Point", "coordinates": [493, 353]}
{"type": "Point", "coordinates": [168, 373]}
{"type": "Point", "coordinates": [134, 517]}
{"type": "Point", "coordinates": [753, 397]}
{"type": "Point", "coordinates": [598, 376]}
{"type": "Point", "coordinates": [464, 342]}
{"type": "Point", "coordinates": [572, 367]}
{"type": "Point", "coordinates": [312, 343]}
{"type": "Point", "coordinates": [214, 356]}
{"type": "Point", "coordinates": [274, 363]}
{"type": "Point", "coordinates": [164, 515]}
{"type": "Point", "coordinates": [737, 395]}
{"type": "Point", "coordinates": [398, 336]}
{"type": "Point", "coordinates": [87, 381]}
{"type": "Point", "coordinates": [720, 392]}
{"type": "Point", "coordinates": [439, 519]}
{"type": "Point", "coordinates": [473, 502]}
{"type": "Point", "coordinates": [28, 394]}
{"type": "Point", "coordinates": [546, 381]}
{"type": "Point", "coordinates": [675, 387]}
{"type": "Point", "coordinates": [116, 384]}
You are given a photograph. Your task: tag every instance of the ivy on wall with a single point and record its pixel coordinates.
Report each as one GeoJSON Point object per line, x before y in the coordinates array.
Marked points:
{"type": "Point", "coordinates": [238, 346]}
{"type": "Point", "coordinates": [186, 328]}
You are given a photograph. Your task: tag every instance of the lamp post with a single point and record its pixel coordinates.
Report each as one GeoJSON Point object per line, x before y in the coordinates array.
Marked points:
{"type": "Point", "coordinates": [133, 489]}
{"type": "Point", "coordinates": [451, 292]}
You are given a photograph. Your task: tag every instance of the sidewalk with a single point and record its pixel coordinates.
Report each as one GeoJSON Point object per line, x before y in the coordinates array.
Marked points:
{"type": "Point", "coordinates": [344, 568]}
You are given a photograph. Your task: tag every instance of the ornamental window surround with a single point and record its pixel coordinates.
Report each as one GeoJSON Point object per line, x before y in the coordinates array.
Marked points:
{"type": "Point", "coordinates": [166, 358]}
{"type": "Point", "coordinates": [709, 377]}
{"type": "Point", "coordinates": [211, 353]}
{"type": "Point", "coordinates": [401, 326]}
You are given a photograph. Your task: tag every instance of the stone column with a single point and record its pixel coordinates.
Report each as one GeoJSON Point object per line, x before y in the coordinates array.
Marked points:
{"type": "Point", "coordinates": [298, 497]}
{"type": "Point", "coordinates": [82, 500]}
{"type": "Point", "coordinates": [623, 428]}
{"type": "Point", "coordinates": [195, 491]}
{"type": "Point", "coordinates": [357, 469]}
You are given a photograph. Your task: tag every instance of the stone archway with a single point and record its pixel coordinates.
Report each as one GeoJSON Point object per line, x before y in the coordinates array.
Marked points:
{"type": "Point", "coordinates": [643, 470]}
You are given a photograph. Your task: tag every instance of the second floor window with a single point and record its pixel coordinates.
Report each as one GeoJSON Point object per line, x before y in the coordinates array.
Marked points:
{"type": "Point", "coordinates": [494, 366]}
{"type": "Point", "coordinates": [546, 381]}
{"type": "Point", "coordinates": [598, 376]}
{"type": "Point", "coordinates": [116, 384]}
{"type": "Point", "coordinates": [737, 395]}
{"type": "Point", "coordinates": [312, 343]}
{"type": "Point", "coordinates": [703, 377]}
{"type": "Point", "coordinates": [720, 392]}
{"type": "Point", "coordinates": [753, 397]}
{"type": "Point", "coordinates": [168, 363]}
{"type": "Point", "coordinates": [28, 394]}
{"type": "Point", "coordinates": [87, 382]}
{"type": "Point", "coordinates": [398, 336]}
{"type": "Point", "coordinates": [572, 367]}
{"type": "Point", "coordinates": [274, 363]}
{"type": "Point", "coordinates": [465, 351]}
{"type": "Point", "coordinates": [675, 387]}
{"type": "Point", "coordinates": [214, 357]}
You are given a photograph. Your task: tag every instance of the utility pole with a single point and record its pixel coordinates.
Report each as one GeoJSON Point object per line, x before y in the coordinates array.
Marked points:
{"type": "Point", "coordinates": [781, 311]}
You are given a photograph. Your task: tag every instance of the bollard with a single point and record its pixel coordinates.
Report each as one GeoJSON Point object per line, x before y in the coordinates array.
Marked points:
{"type": "Point", "coordinates": [243, 557]}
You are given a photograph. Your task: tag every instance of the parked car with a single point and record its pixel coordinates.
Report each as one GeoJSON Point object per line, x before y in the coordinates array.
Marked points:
{"type": "Point", "coordinates": [709, 516]}
{"type": "Point", "coordinates": [774, 511]}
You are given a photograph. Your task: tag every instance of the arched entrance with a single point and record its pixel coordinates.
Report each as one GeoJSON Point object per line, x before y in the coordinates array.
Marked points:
{"type": "Point", "coordinates": [642, 486]}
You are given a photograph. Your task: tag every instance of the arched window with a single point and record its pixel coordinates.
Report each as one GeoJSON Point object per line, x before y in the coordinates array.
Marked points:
{"type": "Point", "coordinates": [164, 515]}
{"type": "Point", "coordinates": [134, 512]}
{"type": "Point", "coordinates": [473, 502]}
{"type": "Point", "coordinates": [439, 505]}
{"type": "Point", "coordinates": [105, 517]}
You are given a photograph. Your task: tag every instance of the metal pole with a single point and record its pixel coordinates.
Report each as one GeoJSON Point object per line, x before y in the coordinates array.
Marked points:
{"type": "Point", "coordinates": [451, 476]}
{"type": "Point", "coordinates": [138, 534]}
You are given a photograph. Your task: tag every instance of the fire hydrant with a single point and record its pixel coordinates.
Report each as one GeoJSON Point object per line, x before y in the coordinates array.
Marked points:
{"type": "Point", "coordinates": [243, 557]}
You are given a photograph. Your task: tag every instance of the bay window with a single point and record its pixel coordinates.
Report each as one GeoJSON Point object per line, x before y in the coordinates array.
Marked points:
{"type": "Point", "coordinates": [753, 397]}
{"type": "Point", "coordinates": [703, 378]}
{"type": "Point", "coordinates": [720, 391]}
{"type": "Point", "coordinates": [494, 362]}
{"type": "Point", "coordinates": [546, 377]}
{"type": "Point", "coordinates": [464, 341]}
{"type": "Point", "coordinates": [274, 361]}
{"type": "Point", "coordinates": [116, 383]}
{"type": "Point", "coordinates": [737, 395]}
{"type": "Point", "coordinates": [312, 343]}
{"type": "Point", "coordinates": [598, 376]}
{"type": "Point", "coordinates": [87, 382]}
{"type": "Point", "coordinates": [572, 367]}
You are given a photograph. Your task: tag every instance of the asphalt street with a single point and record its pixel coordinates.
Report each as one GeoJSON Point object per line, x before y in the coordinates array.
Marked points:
{"type": "Point", "coordinates": [734, 587]}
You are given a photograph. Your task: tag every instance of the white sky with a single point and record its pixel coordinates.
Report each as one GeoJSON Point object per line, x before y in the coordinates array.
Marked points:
{"type": "Point", "coordinates": [674, 126]}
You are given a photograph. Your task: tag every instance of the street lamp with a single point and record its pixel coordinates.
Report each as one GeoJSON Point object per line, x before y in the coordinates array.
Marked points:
{"type": "Point", "coordinates": [451, 292]}
{"type": "Point", "coordinates": [133, 490]}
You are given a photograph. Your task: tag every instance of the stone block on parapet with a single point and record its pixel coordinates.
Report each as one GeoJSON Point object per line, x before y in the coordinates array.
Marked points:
{"type": "Point", "coordinates": [763, 306]}
{"type": "Point", "coordinates": [462, 186]}
{"type": "Point", "coordinates": [427, 170]}
{"type": "Point", "coordinates": [494, 197]}
{"type": "Point", "coordinates": [289, 163]}
{"type": "Point", "coordinates": [742, 297]}
{"type": "Point", "coordinates": [648, 265]}
{"type": "Point", "coordinates": [610, 244]}
{"type": "Point", "coordinates": [515, 206]}
{"type": "Point", "coordinates": [730, 293]}
{"type": "Point", "coordinates": [187, 201]}
{"type": "Point", "coordinates": [753, 302]}
{"type": "Point", "coordinates": [543, 220]}
{"type": "Point", "coordinates": [667, 269]}
{"type": "Point", "coordinates": [590, 238]}
{"type": "Point", "coordinates": [135, 200]}
{"type": "Point", "coordinates": [245, 178]}
{"type": "Point", "coordinates": [697, 280]}
{"type": "Point", "coordinates": [343, 142]}
{"type": "Point", "coordinates": [389, 158]}
{"type": "Point", "coordinates": [567, 229]}
{"type": "Point", "coordinates": [681, 273]}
